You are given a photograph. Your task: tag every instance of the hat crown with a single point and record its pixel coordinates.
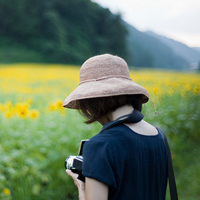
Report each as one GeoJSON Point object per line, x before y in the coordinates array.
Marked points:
{"type": "Point", "coordinates": [104, 76]}
{"type": "Point", "coordinates": [102, 67]}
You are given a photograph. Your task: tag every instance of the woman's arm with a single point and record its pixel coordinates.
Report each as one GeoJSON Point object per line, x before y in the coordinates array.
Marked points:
{"type": "Point", "coordinates": [79, 184]}
{"type": "Point", "coordinates": [95, 190]}
{"type": "Point", "coordinates": [91, 189]}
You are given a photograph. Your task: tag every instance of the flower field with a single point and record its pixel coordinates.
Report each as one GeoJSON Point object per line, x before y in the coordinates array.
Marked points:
{"type": "Point", "coordinates": [37, 133]}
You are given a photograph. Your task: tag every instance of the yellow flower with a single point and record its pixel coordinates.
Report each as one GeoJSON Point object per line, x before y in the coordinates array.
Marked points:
{"type": "Point", "coordinates": [196, 90]}
{"type": "Point", "coordinates": [52, 107]}
{"type": "Point", "coordinates": [155, 90]}
{"type": "Point", "coordinates": [34, 114]}
{"type": "Point", "coordinates": [8, 114]}
{"type": "Point", "coordinates": [22, 110]}
{"type": "Point", "coordinates": [188, 87]}
{"type": "Point", "coordinates": [59, 104]}
{"type": "Point", "coordinates": [56, 106]}
{"type": "Point", "coordinates": [8, 105]}
{"type": "Point", "coordinates": [29, 101]}
{"type": "Point", "coordinates": [6, 191]}
{"type": "Point", "coordinates": [1, 107]}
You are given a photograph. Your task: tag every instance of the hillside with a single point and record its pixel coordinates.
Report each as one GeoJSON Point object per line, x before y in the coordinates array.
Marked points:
{"type": "Point", "coordinates": [196, 48]}
{"type": "Point", "coordinates": [147, 51]}
{"type": "Point", "coordinates": [180, 49]}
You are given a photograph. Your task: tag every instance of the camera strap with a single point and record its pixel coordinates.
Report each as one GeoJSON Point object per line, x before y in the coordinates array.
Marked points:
{"type": "Point", "coordinates": [134, 117]}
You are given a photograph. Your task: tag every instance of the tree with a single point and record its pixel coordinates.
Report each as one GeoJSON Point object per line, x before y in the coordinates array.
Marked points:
{"type": "Point", "coordinates": [64, 31]}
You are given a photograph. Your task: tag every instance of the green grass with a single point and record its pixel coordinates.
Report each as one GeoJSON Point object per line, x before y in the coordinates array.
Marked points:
{"type": "Point", "coordinates": [33, 152]}
{"type": "Point", "coordinates": [179, 117]}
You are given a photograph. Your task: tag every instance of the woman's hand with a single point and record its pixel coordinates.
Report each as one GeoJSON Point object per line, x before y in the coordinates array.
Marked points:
{"type": "Point", "coordinates": [94, 189]}
{"type": "Point", "coordinates": [79, 184]}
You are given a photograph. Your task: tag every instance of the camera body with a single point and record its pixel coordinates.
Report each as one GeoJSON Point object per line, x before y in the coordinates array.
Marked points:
{"type": "Point", "coordinates": [74, 163]}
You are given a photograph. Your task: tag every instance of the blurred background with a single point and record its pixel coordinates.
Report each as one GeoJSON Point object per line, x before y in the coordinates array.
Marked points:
{"type": "Point", "coordinates": [71, 31]}
{"type": "Point", "coordinates": [42, 46]}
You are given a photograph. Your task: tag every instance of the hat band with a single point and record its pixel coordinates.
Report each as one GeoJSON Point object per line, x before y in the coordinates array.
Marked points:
{"type": "Point", "coordinates": [106, 77]}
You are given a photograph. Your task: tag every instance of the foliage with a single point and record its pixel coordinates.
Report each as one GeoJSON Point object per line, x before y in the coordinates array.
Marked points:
{"type": "Point", "coordinates": [37, 133]}
{"type": "Point", "coordinates": [14, 52]}
{"type": "Point", "coordinates": [63, 31]}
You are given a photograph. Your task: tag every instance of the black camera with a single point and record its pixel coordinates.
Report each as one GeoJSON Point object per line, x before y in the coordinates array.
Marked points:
{"type": "Point", "coordinates": [74, 163]}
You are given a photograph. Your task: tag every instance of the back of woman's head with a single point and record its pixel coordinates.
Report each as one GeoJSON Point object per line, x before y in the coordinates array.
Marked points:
{"type": "Point", "coordinates": [94, 108]}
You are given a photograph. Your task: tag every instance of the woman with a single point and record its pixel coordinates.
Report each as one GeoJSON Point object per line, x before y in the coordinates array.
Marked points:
{"type": "Point", "coordinates": [129, 160]}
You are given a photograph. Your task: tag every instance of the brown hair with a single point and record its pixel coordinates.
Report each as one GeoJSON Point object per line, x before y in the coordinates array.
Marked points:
{"type": "Point", "coordinates": [94, 108]}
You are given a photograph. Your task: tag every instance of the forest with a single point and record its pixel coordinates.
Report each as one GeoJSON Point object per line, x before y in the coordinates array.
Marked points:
{"type": "Point", "coordinates": [58, 31]}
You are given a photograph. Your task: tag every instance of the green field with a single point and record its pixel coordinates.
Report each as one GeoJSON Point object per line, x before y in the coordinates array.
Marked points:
{"type": "Point", "coordinates": [37, 133]}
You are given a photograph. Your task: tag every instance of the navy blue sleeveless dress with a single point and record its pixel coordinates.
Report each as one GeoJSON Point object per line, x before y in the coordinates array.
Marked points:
{"type": "Point", "coordinates": [134, 166]}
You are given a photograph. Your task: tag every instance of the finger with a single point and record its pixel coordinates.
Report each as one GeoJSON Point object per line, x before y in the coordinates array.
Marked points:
{"type": "Point", "coordinates": [74, 177]}
{"type": "Point", "coordinates": [70, 173]}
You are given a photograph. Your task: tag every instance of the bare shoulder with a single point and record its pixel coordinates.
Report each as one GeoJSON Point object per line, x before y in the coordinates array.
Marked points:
{"type": "Point", "coordinates": [143, 128]}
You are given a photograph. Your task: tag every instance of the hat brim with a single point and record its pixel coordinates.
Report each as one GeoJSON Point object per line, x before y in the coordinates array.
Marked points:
{"type": "Point", "coordinates": [104, 88]}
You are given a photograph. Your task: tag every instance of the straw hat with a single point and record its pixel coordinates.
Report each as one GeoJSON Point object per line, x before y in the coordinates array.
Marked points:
{"type": "Point", "coordinates": [102, 76]}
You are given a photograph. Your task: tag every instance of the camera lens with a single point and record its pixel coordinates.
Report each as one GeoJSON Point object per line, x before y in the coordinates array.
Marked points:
{"type": "Point", "coordinates": [69, 162]}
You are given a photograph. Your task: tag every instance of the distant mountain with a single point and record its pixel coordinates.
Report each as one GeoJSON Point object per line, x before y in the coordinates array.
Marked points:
{"type": "Point", "coordinates": [148, 51]}
{"type": "Point", "coordinates": [196, 48]}
{"type": "Point", "coordinates": [192, 55]}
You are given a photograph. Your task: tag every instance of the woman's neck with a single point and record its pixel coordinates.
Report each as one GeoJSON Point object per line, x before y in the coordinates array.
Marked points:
{"type": "Point", "coordinates": [123, 110]}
